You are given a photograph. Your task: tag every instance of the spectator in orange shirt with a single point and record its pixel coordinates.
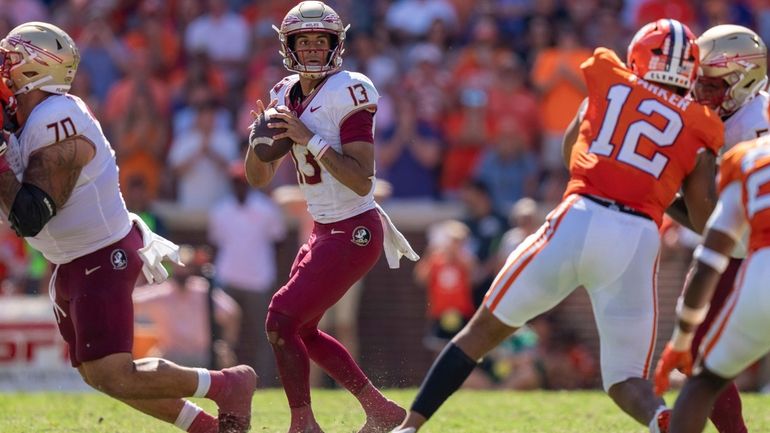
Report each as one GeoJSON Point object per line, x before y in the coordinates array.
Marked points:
{"type": "Point", "coordinates": [141, 138]}
{"type": "Point", "coordinates": [511, 100]}
{"type": "Point", "coordinates": [154, 33]}
{"type": "Point", "coordinates": [474, 63]}
{"type": "Point", "coordinates": [445, 271]}
{"type": "Point", "coordinates": [468, 130]}
{"type": "Point", "coordinates": [557, 77]}
{"type": "Point", "coordinates": [138, 77]}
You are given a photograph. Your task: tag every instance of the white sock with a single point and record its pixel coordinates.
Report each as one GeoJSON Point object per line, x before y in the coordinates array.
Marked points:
{"type": "Point", "coordinates": [204, 382]}
{"type": "Point", "coordinates": [187, 415]}
{"type": "Point", "coordinates": [654, 428]}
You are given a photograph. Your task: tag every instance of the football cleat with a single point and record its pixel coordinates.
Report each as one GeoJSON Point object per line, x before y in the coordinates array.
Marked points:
{"type": "Point", "coordinates": [235, 406]}
{"type": "Point", "coordinates": [385, 420]}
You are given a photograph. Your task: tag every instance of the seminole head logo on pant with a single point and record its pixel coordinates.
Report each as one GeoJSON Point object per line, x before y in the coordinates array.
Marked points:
{"type": "Point", "coordinates": [361, 236]}
{"type": "Point", "coordinates": [119, 259]}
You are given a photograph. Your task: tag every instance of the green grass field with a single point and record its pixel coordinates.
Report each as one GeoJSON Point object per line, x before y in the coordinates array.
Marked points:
{"type": "Point", "coordinates": [468, 411]}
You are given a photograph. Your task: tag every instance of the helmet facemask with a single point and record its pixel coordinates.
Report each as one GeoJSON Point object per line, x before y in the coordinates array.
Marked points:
{"type": "Point", "coordinates": [311, 17]}
{"type": "Point", "coordinates": [332, 59]}
{"type": "Point", "coordinates": [727, 93]}
{"type": "Point", "coordinates": [710, 91]}
{"type": "Point", "coordinates": [8, 60]}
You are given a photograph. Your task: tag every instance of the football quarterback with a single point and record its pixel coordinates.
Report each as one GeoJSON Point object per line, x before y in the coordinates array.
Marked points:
{"type": "Point", "coordinates": [329, 115]}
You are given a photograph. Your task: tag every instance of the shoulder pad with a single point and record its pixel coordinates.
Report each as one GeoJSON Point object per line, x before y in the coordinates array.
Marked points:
{"type": "Point", "coordinates": [278, 91]}
{"type": "Point", "coordinates": [60, 117]}
{"type": "Point", "coordinates": [351, 91]}
{"type": "Point", "coordinates": [603, 58]}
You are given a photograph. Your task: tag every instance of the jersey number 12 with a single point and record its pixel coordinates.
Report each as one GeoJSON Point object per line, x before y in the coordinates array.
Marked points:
{"type": "Point", "coordinates": [617, 97]}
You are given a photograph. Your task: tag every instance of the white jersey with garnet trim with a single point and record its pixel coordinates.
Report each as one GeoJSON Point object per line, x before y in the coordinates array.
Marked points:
{"type": "Point", "coordinates": [748, 122]}
{"type": "Point", "coordinates": [323, 111]}
{"type": "Point", "coordinates": [95, 215]}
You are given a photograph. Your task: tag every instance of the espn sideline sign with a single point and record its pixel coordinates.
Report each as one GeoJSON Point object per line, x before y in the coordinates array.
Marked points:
{"type": "Point", "coordinates": [33, 356]}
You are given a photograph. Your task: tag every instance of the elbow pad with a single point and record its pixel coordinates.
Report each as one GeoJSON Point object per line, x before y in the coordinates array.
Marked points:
{"type": "Point", "coordinates": [31, 211]}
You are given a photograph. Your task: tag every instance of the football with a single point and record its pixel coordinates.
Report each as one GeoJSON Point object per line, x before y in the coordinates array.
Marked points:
{"type": "Point", "coordinates": [261, 138]}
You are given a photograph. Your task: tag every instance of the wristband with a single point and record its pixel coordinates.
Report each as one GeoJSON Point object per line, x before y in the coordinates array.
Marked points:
{"type": "Point", "coordinates": [711, 258]}
{"type": "Point", "coordinates": [317, 146]}
{"type": "Point", "coordinates": [680, 340]}
{"type": "Point", "coordinates": [693, 316]}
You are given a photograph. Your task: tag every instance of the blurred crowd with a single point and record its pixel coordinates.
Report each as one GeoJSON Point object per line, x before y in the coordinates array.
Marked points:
{"type": "Point", "coordinates": [475, 96]}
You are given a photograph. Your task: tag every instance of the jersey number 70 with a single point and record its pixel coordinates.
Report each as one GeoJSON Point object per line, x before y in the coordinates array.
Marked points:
{"type": "Point", "coordinates": [617, 97]}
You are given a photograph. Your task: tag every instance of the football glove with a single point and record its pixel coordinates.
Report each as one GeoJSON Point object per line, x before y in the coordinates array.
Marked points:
{"type": "Point", "coordinates": [669, 360]}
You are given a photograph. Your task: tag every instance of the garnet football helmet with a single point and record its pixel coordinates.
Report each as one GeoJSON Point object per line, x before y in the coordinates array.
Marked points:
{"type": "Point", "coordinates": [306, 17]}
{"type": "Point", "coordinates": [733, 62]}
{"type": "Point", "coordinates": [664, 52]}
{"type": "Point", "coordinates": [38, 55]}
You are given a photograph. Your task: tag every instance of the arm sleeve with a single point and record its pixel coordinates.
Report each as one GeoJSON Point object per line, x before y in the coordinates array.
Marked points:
{"type": "Point", "coordinates": [359, 126]}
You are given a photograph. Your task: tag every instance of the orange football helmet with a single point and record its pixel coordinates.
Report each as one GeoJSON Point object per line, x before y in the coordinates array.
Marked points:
{"type": "Point", "coordinates": [665, 52]}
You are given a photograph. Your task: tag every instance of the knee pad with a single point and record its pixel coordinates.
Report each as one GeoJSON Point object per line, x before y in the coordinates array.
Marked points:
{"type": "Point", "coordinates": [280, 327]}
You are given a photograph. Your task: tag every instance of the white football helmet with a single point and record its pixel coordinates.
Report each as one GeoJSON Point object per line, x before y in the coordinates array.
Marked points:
{"type": "Point", "coordinates": [733, 68]}
{"type": "Point", "coordinates": [306, 17]}
{"type": "Point", "coordinates": [37, 55]}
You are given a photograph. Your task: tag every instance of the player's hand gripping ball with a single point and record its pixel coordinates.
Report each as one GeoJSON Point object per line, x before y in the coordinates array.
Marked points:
{"type": "Point", "coordinates": [261, 137]}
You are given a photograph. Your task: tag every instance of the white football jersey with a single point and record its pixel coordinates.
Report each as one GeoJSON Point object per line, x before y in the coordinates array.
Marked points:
{"type": "Point", "coordinates": [337, 97]}
{"type": "Point", "coordinates": [747, 123]}
{"type": "Point", "coordinates": [95, 214]}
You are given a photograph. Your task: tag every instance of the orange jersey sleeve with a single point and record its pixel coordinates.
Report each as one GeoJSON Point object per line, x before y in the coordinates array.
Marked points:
{"type": "Point", "coordinates": [749, 163]}
{"type": "Point", "coordinates": [637, 141]}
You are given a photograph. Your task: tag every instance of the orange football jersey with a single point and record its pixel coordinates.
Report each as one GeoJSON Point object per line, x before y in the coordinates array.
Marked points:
{"type": "Point", "coordinates": [637, 140]}
{"type": "Point", "coordinates": [749, 164]}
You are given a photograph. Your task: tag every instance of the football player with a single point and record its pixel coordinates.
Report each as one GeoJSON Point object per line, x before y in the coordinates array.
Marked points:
{"type": "Point", "coordinates": [633, 144]}
{"type": "Point", "coordinates": [329, 114]}
{"type": "Point", "coordinates": [59, 190]}
{"type": "Point", "coordinates": [739, 336]}
{"type": "Point", "coordinates": [732, 80]}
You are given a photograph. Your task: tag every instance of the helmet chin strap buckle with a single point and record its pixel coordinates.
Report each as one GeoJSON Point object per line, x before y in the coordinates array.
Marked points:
{"type": "Point", "coordinates": [33, 85]}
